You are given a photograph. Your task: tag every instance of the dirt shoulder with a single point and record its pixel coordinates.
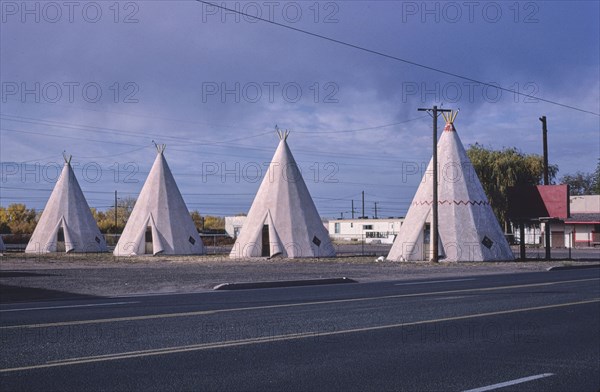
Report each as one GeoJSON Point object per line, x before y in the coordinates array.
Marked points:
{"type": "Point", "coordinates": [105, 275]}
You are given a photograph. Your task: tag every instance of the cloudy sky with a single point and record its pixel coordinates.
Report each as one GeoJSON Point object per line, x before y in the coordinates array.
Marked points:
{"type": "Point", "coordinates": [102, 80]}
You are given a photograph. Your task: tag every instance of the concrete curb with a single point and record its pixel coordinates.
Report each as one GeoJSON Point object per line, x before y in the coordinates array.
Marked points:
{"type": "Point", "coordinates": [572, 267]}
{"type": "Point", "coordinates": [281, 283]}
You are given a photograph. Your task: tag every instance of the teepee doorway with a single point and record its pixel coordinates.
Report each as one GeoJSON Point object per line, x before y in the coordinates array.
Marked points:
{"type": "Point", "coordinates": [60, 240]}
{"type": "Point", "coordinates": [427, 241]}
{"type": "Point", "coordinates": [148, 249]}
{"type": "Point", "coordinates": [266, 243]}
{"type": "Point", "coordinates": [427, 249]}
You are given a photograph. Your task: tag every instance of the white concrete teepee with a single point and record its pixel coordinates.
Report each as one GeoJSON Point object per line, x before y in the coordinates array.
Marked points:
{"type": "Point", "coordinates": [468, 229]}
{"type": "Point", "coordinates": [66, 224]}
{"type": "Point", "coordinates": [160, 221]}
{"type": "Point", "coordinates": [283, 220]}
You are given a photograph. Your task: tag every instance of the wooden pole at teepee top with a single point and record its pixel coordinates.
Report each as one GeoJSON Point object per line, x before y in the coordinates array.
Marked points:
{"type": "Point", "coordinates": [67, 157]}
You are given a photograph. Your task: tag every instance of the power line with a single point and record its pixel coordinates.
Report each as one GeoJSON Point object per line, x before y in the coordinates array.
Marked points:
{"type": "Point", "coordinates": [68, 137]}
{"type": "Point", "coordinates": [129, 114]}
{"type": "Point", "coordinates": [188, 142]}
{"type": "Point", "coordinates": [91, 128]}
{"type": "Point", "coordinates": [364, 129]}
{"type": "Point", "coordinates": [392, 57]}
{"type": "Point", "coordinates": [307, 152]}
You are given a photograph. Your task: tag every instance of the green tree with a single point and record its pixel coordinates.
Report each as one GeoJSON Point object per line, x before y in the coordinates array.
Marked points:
{"type": "Point", "coordinates": [207, 222]}
{"type": "Point", "coordinates": [214, 223]}
{"type": "Point", "coordinates": [4, 229]}
{"type": "Point", "coordinates": [197, 219]}
{"type": "Point", "coordinates": [580, 183]}
{"type": "Point", "coordinates": [106, 219]}
{"type": "Point", "coordinates": [17, 219]}
{"type": "Point", "coordinates": [500, 169]}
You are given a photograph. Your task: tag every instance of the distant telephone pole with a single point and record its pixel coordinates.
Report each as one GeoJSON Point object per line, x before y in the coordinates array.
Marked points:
{"type": "Point", "coordinates": [376, 210]}
{"type": "Point", "coordinates": [434, 113]}
{"type": "Point", "coordinates": [363, 205]}
{"type": "Point", "coordinates": [115, 211]}
{"type": "Point", "coordinates": [352, 208]}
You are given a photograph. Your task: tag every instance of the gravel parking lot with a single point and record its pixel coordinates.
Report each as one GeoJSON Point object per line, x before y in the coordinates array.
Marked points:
{"type": "Point", "coordinates": [55, 276]}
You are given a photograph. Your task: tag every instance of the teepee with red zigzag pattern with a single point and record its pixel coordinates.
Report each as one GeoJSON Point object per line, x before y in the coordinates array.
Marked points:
{"type": "Point", "coordinates": [468, 229]}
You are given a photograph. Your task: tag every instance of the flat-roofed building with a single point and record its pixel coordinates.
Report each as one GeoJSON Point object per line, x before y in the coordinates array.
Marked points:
{"type": "Point", "coordinates": [371, 230]}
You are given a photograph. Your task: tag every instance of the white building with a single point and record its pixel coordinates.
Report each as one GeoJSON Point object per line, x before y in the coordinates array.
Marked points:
{"type": "Point", "coordinates": [583, 224]}
{"type": "Point", "coordinates": [233, 225]}
{"type": "Point", "coordinates": [371, 230]}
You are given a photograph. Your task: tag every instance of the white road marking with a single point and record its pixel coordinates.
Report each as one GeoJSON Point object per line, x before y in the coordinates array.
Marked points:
{"type": "Point", "coordinates": [286, 305]}
{"type": "Point", "coordinates": [432, 281]}
{"type": "Point", "coordinates": [448, 298]}
{"type": "Point", "coordinates": [509, 383]}
{"type": "Point", "coordinates": [70, 306]}
{"type": "Point", "coordinates": [279, 338]}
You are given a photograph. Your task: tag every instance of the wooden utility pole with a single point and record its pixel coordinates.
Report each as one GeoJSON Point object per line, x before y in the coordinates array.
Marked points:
{"type": "Point", "coordinates": [375, 210]}
{"type": "Point", "coordinates": [352, 208]}
{"type": "Point", "coordinates": [547, 225]}
{"type": "Point", "coordinates": [434, 113]}
{"type": "Point", "coordinates": [115, 212]}
{"type": "Point", "coordinates": [522, 240]}
{"type": "Point", "coordinates": [545, 141]}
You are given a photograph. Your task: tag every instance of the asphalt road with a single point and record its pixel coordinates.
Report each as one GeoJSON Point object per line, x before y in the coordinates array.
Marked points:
{"type": "Point", "coordinates": [526, 332]}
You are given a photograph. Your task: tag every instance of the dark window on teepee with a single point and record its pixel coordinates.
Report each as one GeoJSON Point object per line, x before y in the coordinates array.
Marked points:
{"type": "Point", "coordinates": [316, 241]}
{"type": "Point", "coordinates": [192, 240]}
{"type": "Point", "coordinates": [487, 242]}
